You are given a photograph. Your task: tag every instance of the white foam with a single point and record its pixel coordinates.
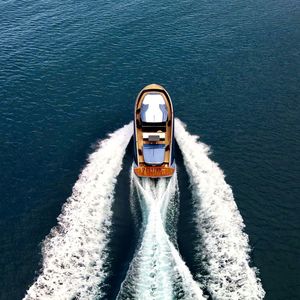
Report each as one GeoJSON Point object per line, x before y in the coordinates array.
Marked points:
{"type": "Point", "coordinates": [157, 266]}
{"type": "Point", "coordinates": [224, 245]}
{"type": "Point", "coordinates": [74, 253]}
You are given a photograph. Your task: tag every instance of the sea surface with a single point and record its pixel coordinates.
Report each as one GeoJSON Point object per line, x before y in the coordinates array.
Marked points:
{"type": "Point", "coordinates": [69, 75]}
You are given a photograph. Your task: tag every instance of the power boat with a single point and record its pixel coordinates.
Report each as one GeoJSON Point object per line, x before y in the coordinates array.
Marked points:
{"type": "Point", "coordinates": [154, 133]}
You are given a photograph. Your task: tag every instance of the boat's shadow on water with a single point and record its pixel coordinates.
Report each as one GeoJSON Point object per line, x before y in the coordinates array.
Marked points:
{"type": "Point", "coordinates": [124, 234]}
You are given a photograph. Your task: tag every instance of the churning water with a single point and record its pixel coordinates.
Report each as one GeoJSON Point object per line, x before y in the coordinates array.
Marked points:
{"type": "Point", "coordinates": [75, 253]}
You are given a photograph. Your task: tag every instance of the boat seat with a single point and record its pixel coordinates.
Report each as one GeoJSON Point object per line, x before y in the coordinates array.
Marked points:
{"type": "Point", "coordinates": [153, 109]}
{"type": "Point", "coordinates": [154, 154]}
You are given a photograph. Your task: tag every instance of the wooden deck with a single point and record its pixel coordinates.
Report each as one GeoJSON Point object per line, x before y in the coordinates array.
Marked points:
{"type": "Point", "coordinates": [154, 172]}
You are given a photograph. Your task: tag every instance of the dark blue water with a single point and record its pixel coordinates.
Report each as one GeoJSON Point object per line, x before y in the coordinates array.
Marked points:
{"type": "Point", "coordinates": [69, 74]}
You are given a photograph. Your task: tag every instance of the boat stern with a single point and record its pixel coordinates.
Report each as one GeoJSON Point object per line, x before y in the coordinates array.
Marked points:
{"type": "Point", "coordinates": [154, 172]}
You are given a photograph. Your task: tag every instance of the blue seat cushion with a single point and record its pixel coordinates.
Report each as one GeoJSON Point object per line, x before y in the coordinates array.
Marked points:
{"type": "Point", "coordinates": [154, 154]}
{"type": "Point", "coordinates": [164, 110]}
{"type": "Point", "coordinates": [144, 108]}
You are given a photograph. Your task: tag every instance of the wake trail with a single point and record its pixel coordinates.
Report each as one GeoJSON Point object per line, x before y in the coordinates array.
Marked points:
{"type": "Point", "coordinates": [224, 246]}
{"type": "Point", "coordinates": [74, 264]}
{"type": "Point", "coordinates": [157, 270]}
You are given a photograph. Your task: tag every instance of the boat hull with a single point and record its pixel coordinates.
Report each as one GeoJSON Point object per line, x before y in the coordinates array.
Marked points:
{"type": "Point", "coordinates": [154, 138]}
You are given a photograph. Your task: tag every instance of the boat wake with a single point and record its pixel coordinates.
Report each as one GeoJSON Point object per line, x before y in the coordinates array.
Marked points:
{"type": "Point", "coordinates": [74, 262]}
{"type": "Point", "coordinates": [223, 244]}
{"type": "Point", "coordinates": [157, 270]}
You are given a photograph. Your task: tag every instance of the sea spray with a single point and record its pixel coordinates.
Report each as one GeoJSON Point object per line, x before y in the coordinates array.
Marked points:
{"type": "Point", "coordinates": [74, 253]}
{"type": "Point", "coordinates": [157, 270]}
{"type": "Point", "coordinates": [223, 244]}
